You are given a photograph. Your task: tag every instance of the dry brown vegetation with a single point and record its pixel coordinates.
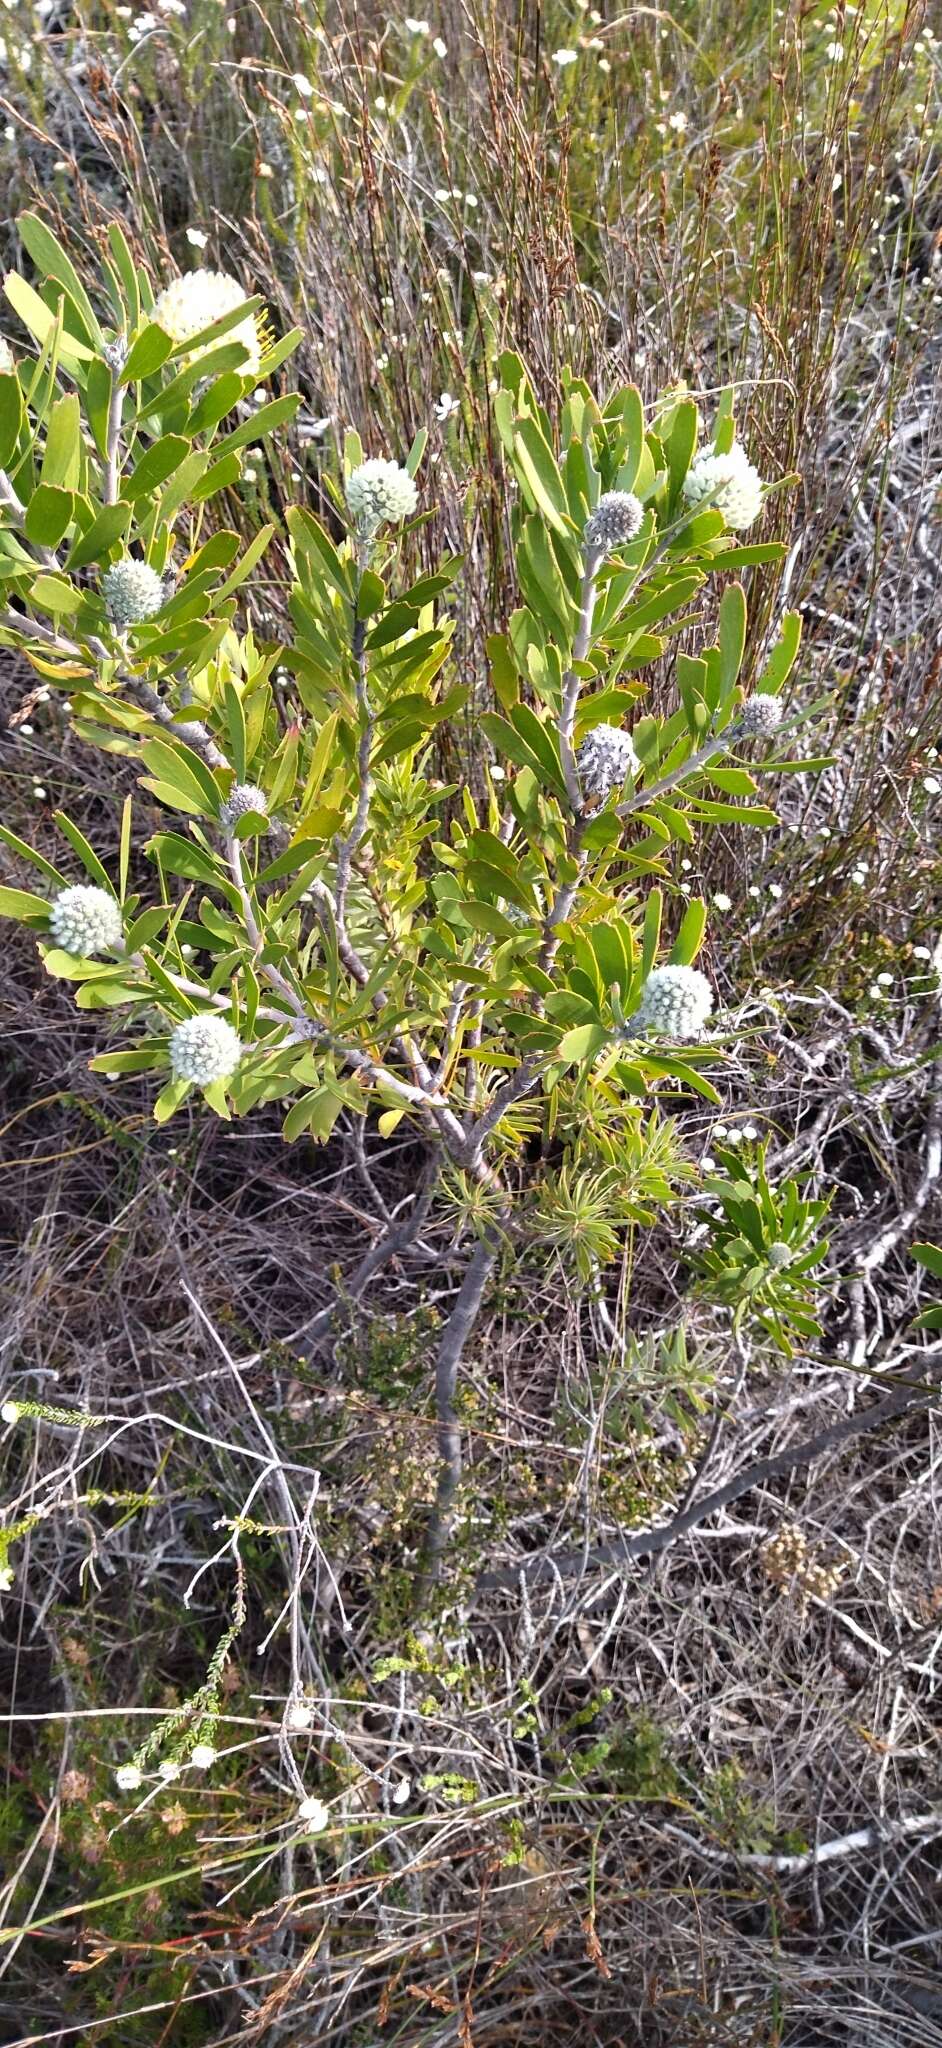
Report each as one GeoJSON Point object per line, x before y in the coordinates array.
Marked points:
{"type": "Point", "coordinates": [683, 1793]}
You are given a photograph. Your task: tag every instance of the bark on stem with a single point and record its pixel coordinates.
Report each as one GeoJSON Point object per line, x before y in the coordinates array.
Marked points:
{"type": "Point", "coordinates": [451, 1349]}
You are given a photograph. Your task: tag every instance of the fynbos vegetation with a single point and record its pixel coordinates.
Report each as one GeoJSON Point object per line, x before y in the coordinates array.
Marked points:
{"type": "Point", "coordinates": [469, 546]}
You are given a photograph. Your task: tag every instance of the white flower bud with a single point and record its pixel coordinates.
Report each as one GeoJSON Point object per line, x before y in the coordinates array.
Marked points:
{"type": "Point", "coordinates": [191, 303]}
{"type": "Point", "coordinates": [605, 759]}
{"type": "Point", "coordinates": [675, 1003]}
{"type": "Point", "coordinates": [85, 920]}
{"type": "Point", "coordinates": [204, 1048]}
{"type": "Point", "coordinates": [380, 490]}
{"type": "Point", "coordinates": [133, 592]}
{"type": "Point", "coordinates": [314, 1813]}
{"type": "Point", "coordinates": [760, 716]}
{"type": "Point", "coordinates": [616, 519]}
{"type": "Point", "coordinates": [779, 1255]}
{"type": "Point", "coordinates": [168, 1771]}
{"type": "Point", "coordinates": [300, 1716]}
{"type": "Point", "coordinates": [6, 1577]}
{"type": "Point", "coordinates": [10, 1412]}
{"type": "Point", "coordinates": [203, 1756]}
{"type": "Point", "coordinates": [242, 797]}
{"type": "Point", "coordinates": [727, 484]}
{"type": "Point", "coordinates": [128, 1778]}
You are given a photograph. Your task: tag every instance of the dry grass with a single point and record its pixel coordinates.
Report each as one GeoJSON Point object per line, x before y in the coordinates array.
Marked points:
{"type": "Point", "coordinates": [607, 1774]}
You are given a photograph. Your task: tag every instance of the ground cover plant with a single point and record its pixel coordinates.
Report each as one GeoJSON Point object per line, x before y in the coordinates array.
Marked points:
{"type": "Point", "coordinates": [469, 542]}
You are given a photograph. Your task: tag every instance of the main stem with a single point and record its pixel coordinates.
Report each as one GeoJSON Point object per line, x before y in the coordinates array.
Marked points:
{"type": "Point", "coordinates": [454, 1338]}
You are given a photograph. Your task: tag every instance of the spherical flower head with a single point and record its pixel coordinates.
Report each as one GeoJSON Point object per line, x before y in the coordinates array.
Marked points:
{"type": "Point", "coordinates": [203, 1755]}
{"type": "Point", "coordinates": [675, 1003]}
{"type": "Point", "coordinates": [300, 1716]}
{"type": "Point", "coordinates": [194, 302]}
{"type": "Point", "coordinates": [85, 921]}
{"type": "Point", "coordinates": [616, 519]}
{"type": "Point", "coordinates": [7, 362]}
{"type": "Point", "coordinates": [128, 1778]}
{"type": "Point", "coordinates": [6, 1577]}
{"type": "Point", "coordinates": [10, 1412]}
{"type": "Point", "coordinates": [133, 592]}
{"type": "Point", "coordinates": [380, 490]}
{"type": "Point", "coordinates": [242, 797]}
{"type": "Point", "coordinates": [760, 716]}
{"type": "Point", "coordinates": [168, 1771]}
{"type": "Point", "coordinates": [204, 1048]}
{"type": "Point", "coordinates": [605, 760]}
{"type": "Point", "coordinates": [315, 1815]}
{"type": "Point", "coordinates": [727, 484]}
{"type": "Point", "coordinates": [779, 1255]}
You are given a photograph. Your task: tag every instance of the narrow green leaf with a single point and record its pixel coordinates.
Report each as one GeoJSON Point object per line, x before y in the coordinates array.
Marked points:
{"type": "Point", "coordinates": [690, 936]}
{"type": "Point", "coordinates": [48, 514]}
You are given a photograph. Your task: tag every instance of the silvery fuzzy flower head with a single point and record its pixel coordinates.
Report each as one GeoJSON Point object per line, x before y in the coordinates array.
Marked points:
{"type": "Point", "coordinates": [605, 759]}
{"type": "Point", "coordinates": [675, 1003]}
{"type": "Point", "coordinates": [168, 1771]}
{"type": "Point", "coordinates": [85, 920]}
{"type": "Point", "coordinates": [204, 1048]}
{"type": "Point", "coordinates": [725, 483]}
{"type": "Point", "coordinates": [203, 1756]}
{"type": "Point", "coordinates": [128, 1778]}
{"type": "Point", "coordinates": [314, 1813]}
{"type": "Point", "coordinates": [133, 592]}
{"type": "Point", "coordinates": [616, 519]}
{"type": "Point", "coordinates": [760, 716]}
{"type": "Point", "coordinates": [242, 797]}
{"type": "Point", "coordinates": [116, 352]}
{"type": "Point", "coordinates": [779, 1255]}
{"type": "Point", "coordinates": [191, 303]}
{"type": "Point", "coordinates": [380, 490]}
{"type": "Point", "coordinates": [7, 362]}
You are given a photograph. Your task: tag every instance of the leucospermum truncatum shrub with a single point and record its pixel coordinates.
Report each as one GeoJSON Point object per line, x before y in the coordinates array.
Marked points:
{"type": "Point", "coordinates": [330, 927]}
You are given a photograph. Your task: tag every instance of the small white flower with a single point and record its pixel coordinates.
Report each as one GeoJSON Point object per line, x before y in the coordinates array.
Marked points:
{"type": "Point", "coordinates": [196, 238]}
{"type": "Point", "coordinates": [886, 980]}
{"type": "Point", "coordinates": [617, 518]}
{"type": "Point", "coordinates": [564, 57]}
{"type": "Point", "coordinates": [750, 1132]}
{"type": "Point", "coordinates": [10, 1412]}
{"type": "Point", "coordinates": [605, 759]}
{"type": "Point", "coordinates": [445, 406]}
{"type": "Point", "coordinates": [133, 592]}
{"type": "Point", "coordinates": [675, 1003]}
{"type": "Point", "coordinates": [203, 1756]}
{"type": "Point", "coordinates": [85, 921]}
{"type": "Point", "coordinates": [761, 715]}
{"type": "Point", "coordinates": [300, 1716]}
{"type": "Point", "coordinates": [302, 85]}
{"type": "Point", "coordinates": [678, 122]}
{"type": "Point", "coordinates": [779, 1255]}
{"type": "Point", "coordinates": [128, 1777]}
{"type": "Point", "coordinates": [243, 797]}
{"type": "Point", "coordinates": [440, 48]}
{"type": "Point", "coordinates": [379, 490]}
{"type": "Point", "coordinates": [204, 1048]}
{"type": "Point", "coordinates": [919, 953]}
{"type": "Point", "coordinates": [834, 52]}
{"type": "Point", "coordinates": [727, 484]}
{"type": "Point", "coordinates": [191, 303]}
{"type": "Point", "coordinates": [315, 1814]}
{"type": "Point", "coordinates": [415, 28]}
{"type": "Point", "coordinates": [168, 1771]}
{"type": "Point", "coordinates": [721, 901]}
{"type": "Point", "coordinates": [402, 1792]}
{"type": "Point", "coordinates": [6, 1577]}
{"type": "Point", "coordinates": [931, 785]}
{"type": "Point", "coordinates": [7, 363]}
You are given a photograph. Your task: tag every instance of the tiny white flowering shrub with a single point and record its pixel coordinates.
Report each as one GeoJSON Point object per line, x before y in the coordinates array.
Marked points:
{"type": "Point", "coordinates": [330, 927]}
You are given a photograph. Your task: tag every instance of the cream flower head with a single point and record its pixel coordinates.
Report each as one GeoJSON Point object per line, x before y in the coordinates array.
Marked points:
{"type": "Point", "coordinates": [725, 483]}
{"type": "Point", "coordinates": [193, 302]}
